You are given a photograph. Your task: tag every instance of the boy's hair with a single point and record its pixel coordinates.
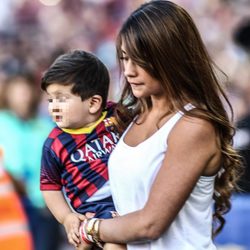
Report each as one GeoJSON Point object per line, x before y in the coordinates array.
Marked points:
{"type": "Point", "coordinates": [88, 75]}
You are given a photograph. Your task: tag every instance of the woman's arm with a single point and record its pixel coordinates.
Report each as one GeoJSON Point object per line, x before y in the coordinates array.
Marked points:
{"type": "Point", "coordinates": [192, 151]}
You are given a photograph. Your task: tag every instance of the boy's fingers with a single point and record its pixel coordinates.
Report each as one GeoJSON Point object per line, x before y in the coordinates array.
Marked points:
{"type": "Point", "coordinates": [72, 242]}
{"type": "Point", "coordinates": [81, 217]}
{"type": "Point", "coordinates": [76, 230]}
{"type": "Point", "coordinates": [76, 237]}
{"type": "Point", "coordinates": [73, 238]}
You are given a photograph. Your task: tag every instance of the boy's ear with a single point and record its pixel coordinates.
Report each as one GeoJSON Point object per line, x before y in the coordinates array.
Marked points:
{"type": "Point", "coordinates": [95, 104]}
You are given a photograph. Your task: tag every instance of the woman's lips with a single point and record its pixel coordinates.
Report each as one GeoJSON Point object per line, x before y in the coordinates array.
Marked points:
{"type": "Point", "coordinates": [135, 84]}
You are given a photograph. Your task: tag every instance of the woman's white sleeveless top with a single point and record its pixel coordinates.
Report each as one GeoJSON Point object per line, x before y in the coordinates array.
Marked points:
{"type": "Point", "coordinates": [132, 171]}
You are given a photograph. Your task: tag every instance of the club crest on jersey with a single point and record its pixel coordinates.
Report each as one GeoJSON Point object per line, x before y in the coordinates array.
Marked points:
{"type": "Point", "coordinates": [108, 122]}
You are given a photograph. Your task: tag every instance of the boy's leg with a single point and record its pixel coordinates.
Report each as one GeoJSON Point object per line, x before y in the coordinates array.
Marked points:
{"type": "Point", "coordinates": [110, 246]}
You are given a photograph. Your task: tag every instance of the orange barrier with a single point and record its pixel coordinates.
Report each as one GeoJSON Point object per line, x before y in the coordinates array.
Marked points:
{"type": "Point", "coordinates": [14, 231]}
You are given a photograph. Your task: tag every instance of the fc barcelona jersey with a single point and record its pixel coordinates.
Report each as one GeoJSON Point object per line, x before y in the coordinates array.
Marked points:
{"type": "Point", "coordinates": [77, 160]}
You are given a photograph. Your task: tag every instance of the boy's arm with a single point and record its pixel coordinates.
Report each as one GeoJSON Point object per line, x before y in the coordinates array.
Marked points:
{"type": "Point", "coordinates": [60, 209]}
{"type": "Point", "coordinates": [57, 204]}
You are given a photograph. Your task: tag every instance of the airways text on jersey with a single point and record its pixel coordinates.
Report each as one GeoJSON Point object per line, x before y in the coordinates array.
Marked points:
{"type": "Point", "coordinates": [95, 149]}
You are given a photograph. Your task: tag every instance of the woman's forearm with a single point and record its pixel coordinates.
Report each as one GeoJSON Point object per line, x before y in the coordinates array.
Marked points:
{"type": "Point", "coordinates": [133, 227]}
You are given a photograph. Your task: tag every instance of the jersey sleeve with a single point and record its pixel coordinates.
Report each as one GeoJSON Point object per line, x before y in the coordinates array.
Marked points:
{"type": "Point", "coordinates": [50, 176]}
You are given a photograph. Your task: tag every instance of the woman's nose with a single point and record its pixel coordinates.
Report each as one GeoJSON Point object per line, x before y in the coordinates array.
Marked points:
{"type": "Point", "coordinates": [130, 69]}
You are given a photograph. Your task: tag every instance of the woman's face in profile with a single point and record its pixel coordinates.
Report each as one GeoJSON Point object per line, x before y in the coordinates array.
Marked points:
{"type": "Point", "coordinates": [141, 82]}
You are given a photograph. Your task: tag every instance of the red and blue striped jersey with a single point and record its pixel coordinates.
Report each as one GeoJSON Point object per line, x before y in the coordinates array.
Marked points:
{"type": "Point", "coordinates": [78, 162]}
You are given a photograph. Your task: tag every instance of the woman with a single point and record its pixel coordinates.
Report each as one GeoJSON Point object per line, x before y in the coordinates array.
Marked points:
{"type": "Point", "coordinates": [175, 159]}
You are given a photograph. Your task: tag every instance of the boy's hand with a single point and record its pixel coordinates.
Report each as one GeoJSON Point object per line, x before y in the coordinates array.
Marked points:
{"type": "Point", "coordinates": [72, 223]}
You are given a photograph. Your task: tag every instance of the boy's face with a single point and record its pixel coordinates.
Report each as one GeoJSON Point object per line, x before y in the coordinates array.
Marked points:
{"type": "Point", "coordinates": [66, 109]}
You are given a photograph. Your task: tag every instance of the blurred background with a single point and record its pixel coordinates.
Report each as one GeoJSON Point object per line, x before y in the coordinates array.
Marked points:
{"type": "Point", "coordinates": [32, 34]}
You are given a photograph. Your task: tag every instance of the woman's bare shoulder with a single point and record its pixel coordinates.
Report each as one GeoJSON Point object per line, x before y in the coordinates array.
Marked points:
{"type": "Point", "coordinates": [196, 137]}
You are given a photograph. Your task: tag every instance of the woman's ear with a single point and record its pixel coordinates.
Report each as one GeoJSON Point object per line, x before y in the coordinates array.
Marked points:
{"type": "Point", "coordinates": [95, 104]}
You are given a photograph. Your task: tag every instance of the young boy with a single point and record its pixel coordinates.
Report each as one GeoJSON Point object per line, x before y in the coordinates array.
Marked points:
{"type": "Point", "coordinates": [76, 152]}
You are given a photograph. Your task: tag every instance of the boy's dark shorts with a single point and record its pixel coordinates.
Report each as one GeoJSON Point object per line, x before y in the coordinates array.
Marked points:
{"type": "Point", "coordinates": [103, 209]}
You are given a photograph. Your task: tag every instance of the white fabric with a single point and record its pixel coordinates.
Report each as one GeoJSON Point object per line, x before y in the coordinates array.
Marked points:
{"type": "Point", "coordinates": [132, 171]}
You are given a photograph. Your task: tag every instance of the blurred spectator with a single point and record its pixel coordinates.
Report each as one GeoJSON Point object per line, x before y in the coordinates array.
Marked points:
{"type": "Point", "coordinates": [237, 226]}
{"type": "Point", "coordinates": [241, 37]}
{"type": "Point", "coordinates": [243, 137]}
{"type": "Point", "coordinates": [14, 231]}
{"type": "Point", "coordinates": [22, 133]}
{"type": "Point", "coordinates": [242, 34]}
